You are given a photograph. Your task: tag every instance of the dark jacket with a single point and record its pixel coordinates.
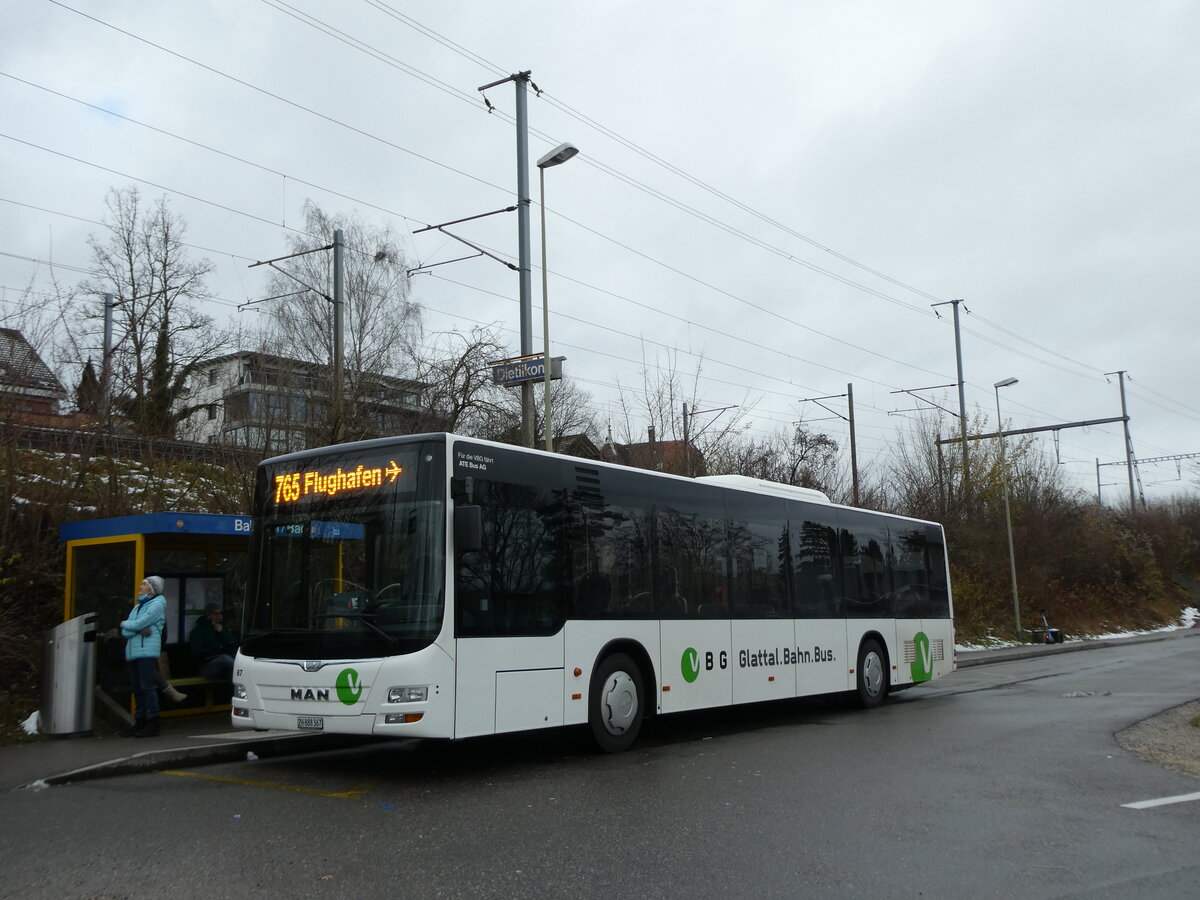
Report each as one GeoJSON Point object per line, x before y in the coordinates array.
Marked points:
{"type": "Point", "coordinates": [206, 642]}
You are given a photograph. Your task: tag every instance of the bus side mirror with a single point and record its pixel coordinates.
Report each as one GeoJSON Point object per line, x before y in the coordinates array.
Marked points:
{"type": "Point", "coordinates": [468, 528]}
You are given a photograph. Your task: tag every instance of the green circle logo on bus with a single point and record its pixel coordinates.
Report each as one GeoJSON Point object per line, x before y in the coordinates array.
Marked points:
{"type": "Point", "coordinates": [690, 665]}
{"type": "Point", "coordinates": [349, 688]}
{"type": "Point", "coordinates": [922, 664]}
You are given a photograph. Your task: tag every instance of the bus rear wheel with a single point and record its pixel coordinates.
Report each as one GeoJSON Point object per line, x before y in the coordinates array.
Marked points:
{"type": "Point", "coordinates": [872, 677]}
{"type": "Point", "coordinates": [617, 704]}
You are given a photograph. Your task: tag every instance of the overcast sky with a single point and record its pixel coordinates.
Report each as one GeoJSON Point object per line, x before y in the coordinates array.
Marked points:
{"type": "Point", "coordinates": [781, 189]}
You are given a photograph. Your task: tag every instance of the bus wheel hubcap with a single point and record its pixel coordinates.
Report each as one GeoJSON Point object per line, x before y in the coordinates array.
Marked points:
{"type": "Point", "coordinates": [619, 702]}
{"type": "Point", "coordinates": [872, 674]}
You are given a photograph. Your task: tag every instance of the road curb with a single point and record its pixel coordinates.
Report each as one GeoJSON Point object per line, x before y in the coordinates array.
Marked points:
{"type": "Point", "coordinates": [206, 754]}
{"type": "Point", "coordinates": [1007, 654]}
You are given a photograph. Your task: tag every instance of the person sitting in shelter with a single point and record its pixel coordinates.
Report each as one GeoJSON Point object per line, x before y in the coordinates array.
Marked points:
{"type": "Point", "coordinates": [213, 644]}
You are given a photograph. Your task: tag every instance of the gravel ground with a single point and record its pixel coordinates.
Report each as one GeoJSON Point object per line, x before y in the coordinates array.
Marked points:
{"type": "Point", "coordinates": [1168, 739]}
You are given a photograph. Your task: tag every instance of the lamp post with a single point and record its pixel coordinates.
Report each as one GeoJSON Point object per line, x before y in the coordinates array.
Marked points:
{"type": "Point", "coordinates": [555, 157]}
{"type": "Point", "coordinates": [1012, 558]}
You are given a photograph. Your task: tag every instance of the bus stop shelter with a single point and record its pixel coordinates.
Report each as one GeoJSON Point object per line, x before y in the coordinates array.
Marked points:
{"type": "Point", "coordinates": [201, 557]}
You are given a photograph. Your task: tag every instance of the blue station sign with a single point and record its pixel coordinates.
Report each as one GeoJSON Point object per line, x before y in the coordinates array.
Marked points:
{"type": "Point", "coordinates": [526, 368]}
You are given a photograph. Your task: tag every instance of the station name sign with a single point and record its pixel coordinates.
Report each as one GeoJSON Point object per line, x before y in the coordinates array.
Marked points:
{"type": "Point", "coordinates": [526, 368]}
{"type": "Point", "coordinates": [291, 487]}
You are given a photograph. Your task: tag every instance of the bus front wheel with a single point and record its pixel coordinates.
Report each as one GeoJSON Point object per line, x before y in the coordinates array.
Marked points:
{"type": "Point", "coordinates": [617, 704]}
{"type": "Point", "coordinates": [872, 675]}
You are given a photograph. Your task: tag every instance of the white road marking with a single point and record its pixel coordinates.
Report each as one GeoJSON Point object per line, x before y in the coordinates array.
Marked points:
{"type": "Point", "coordinates": [1162, 801]}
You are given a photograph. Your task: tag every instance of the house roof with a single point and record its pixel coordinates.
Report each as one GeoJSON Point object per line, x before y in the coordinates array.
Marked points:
{"type": "Point", "coordinates": [663, 456]}
{"type": "Point", "coordinates": [263, 358]}
{"type": "Point", "coordinates": [22, 368]}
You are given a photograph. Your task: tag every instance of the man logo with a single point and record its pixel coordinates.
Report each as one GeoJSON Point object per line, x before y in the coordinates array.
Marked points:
{"type": "Point", "coordinates": [310, 694]}
{"type": "Point", "coordinates": [349, 687]}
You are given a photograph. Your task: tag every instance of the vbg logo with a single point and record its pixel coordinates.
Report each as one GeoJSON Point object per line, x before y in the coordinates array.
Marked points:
{"type": "Point", "coordinates": [689, 663]}
{"type": "Point", "coordinates": [349, 687]}
{"type": "Point", "coordinates": [922, 664]}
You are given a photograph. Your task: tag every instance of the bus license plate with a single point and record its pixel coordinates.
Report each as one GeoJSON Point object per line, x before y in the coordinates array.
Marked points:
{"type": "Point", "coordinates": [310, 723]}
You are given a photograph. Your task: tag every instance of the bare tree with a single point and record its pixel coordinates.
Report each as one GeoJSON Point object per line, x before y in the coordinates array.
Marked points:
{"type": "Point", "coordinates": [459, 394]}
{"type": "Point", "coordinates": [160, 334]}
{"type": "Point", "coordinates": [659, 401]}
{"type": "Point", "coordinates": [380, 322]}
{"type": "Point", "coordinates": [571, 413]}
{"type": "Point", "coordinates": [805, 459]}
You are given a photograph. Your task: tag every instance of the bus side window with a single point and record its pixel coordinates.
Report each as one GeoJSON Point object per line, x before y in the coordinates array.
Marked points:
{"type": "Point", "coordinates": [593, 594]}
{"type": "Point", "coordinates": [818, 591]}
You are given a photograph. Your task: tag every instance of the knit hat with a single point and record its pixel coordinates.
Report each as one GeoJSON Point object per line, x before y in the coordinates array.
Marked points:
{"type": "Point", "coordinates": [156, 584]}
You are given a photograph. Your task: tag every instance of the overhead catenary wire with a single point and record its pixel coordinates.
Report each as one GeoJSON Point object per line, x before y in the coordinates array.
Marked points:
{"type": "Point", "coordinates": [1072, 361]}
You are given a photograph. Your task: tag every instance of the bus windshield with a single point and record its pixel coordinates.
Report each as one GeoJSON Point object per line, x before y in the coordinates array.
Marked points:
{"type": "Point", "coordinates": [349, 553]}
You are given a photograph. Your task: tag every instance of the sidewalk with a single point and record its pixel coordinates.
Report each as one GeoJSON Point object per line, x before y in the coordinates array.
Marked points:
{"type": "Point", "coordinates": [184, 741]}
{"type": "Point", "coordinates": [204, 740]}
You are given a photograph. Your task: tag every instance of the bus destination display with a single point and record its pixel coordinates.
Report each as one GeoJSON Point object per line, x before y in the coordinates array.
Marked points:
{"type": "Point", "coordinates": [291, 487]}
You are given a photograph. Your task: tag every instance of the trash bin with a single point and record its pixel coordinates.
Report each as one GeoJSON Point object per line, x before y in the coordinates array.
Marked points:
{"type": "Point", "coordinates": [68, 677]}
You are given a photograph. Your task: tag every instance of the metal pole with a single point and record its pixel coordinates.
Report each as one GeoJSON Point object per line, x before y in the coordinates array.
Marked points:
{"type": "Point", "coordinates": [106, 362]}
{"type": "Point", "coordinates": [545, 317]}
{"type": "Point", "coordinates": [1098, 500]}
{"type": "Point", "coordinates": [853, 443]}
{"type": "Point", "coordinates": [1012, 557]}
{"type": "Point", "coordinates": [943, 490]}
{"type": "Point", "coordinates": [687, 454]}
{"type": "Point", "coordinates": [1128, 439]}
{"type": "Point", "coordinates": [339, 306]}
{"type": "Point", "coordinates": [523, 271]}
{"type": "Point", "coordinates": [962, 403]}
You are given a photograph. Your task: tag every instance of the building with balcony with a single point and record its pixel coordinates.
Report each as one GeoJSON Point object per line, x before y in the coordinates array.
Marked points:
{"type": "Point", "coordinates": [274, 403]}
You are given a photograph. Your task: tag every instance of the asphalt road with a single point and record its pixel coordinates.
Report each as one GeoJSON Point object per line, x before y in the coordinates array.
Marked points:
{"type": "Point", "coordinates": [999, 781]}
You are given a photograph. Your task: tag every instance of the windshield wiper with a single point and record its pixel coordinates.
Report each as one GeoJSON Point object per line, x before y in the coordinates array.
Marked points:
{"type": "Point", "coordinates": [392, 641]}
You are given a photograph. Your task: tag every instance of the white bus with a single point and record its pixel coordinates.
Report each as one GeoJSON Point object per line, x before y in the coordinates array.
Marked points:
{"type": "Point", "coordinates": [444, 587]}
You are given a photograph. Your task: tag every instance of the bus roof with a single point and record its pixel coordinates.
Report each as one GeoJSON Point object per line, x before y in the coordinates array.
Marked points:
{"type": "Point", "coordinates": [746, 483]}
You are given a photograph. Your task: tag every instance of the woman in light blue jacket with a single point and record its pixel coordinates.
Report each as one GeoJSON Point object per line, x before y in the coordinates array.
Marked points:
{"type": "Point", "coordinates": [143, 634]}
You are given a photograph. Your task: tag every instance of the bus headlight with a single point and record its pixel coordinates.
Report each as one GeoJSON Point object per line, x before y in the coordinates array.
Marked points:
{"type": "Point", "coordinates": [413, 693]}
{"type": "Point", "coordinates": [239, 691]}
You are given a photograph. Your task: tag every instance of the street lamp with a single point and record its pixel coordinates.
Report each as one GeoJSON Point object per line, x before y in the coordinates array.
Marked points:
{"type": "Point", "coordinates": [1012, 559]}
{"type": "Point", "coordinates": [555, 157]}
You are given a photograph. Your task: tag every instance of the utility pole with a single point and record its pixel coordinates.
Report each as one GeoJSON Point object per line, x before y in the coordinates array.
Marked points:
{"type": "Point", "coordinates": [524, 275]}
{"type": "Point", "coordinates": [962, 397]}
{"type": "Point", "coordinates": [338, 301]}
{"type": "Point", "coordinates": [687, 441]}
{"type": "Point", "coordinates": [1120, 373]}
{"type": "Point", "coordinates": [339, 315]}
{"type": "Point", "coordinates": [106, 362]}
{"type": "Point", "coordinates": [687, 450]}
{"type": "Point", "coordinates": [849, 395]}
{"type": "Point", "coordinates": [853, 442]}
{"type": "Point", "coordinates": [520, 81]}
